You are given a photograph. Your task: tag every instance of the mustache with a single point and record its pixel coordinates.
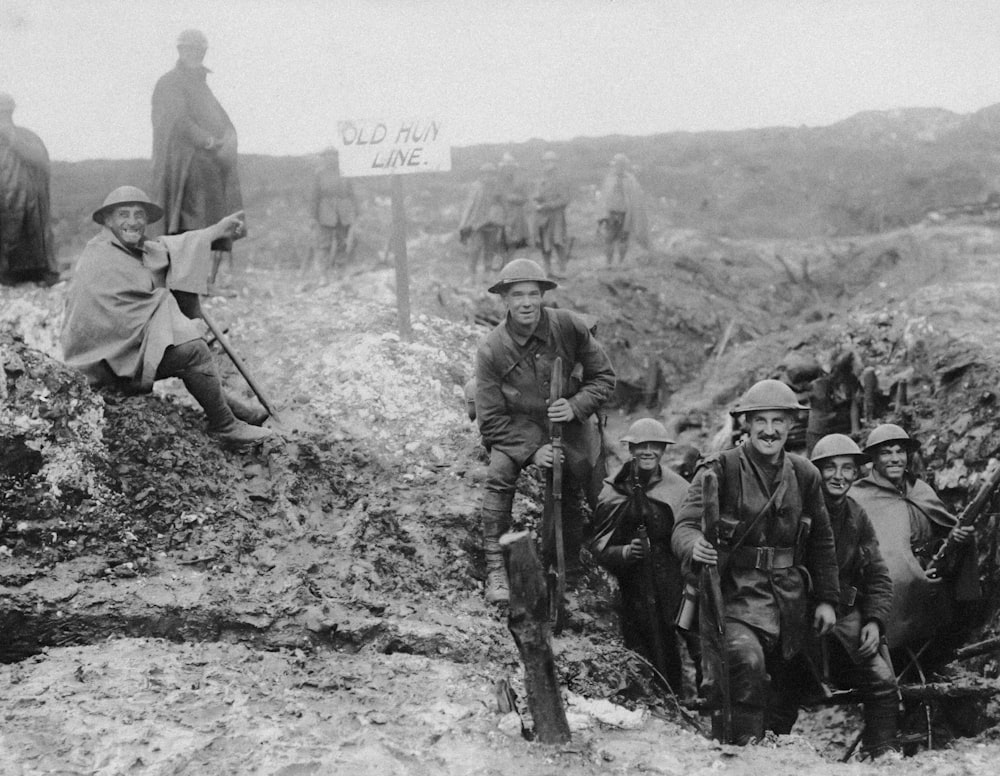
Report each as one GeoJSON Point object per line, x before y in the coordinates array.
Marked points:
{"type": "Point", "coordinates": [769, 437]}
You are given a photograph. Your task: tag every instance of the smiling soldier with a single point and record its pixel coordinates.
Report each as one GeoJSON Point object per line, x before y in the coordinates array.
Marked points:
{"type": "Point", "coordinates": [911, 522]}
{"type": "Point", "coordinates": [513, 369]}
{"type": "Point", "coordinates": [773, 533]}
{"type": "Point", "coordinates": [857, 657]}
{"type": "Point", "coordinates": [632, 526]}
{"type": "Point", "coordinates": [123, 327]}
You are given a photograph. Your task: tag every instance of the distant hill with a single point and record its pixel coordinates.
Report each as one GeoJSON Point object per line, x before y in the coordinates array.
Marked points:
{"type": "Point", "coordinates": [872, 171]}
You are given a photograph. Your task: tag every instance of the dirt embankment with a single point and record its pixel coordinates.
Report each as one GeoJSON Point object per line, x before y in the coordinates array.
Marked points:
{"type": "Point", "coordinates": [317, 604]}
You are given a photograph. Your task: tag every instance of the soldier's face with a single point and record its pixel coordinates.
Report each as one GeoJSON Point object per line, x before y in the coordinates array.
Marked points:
{"type": "Point", "coordinates": [768, 431]}
{"type": "Point", "coordinates": [128, 222]}
{"type": "Point", "coordinates": [524, 302]}
{"type": "Point", "coordinates": [890, 462]}
{"type": "Point", "coordinates": [838, 474]}
{"type": "Point", "coordinates": [647, 455]}
{"type": "Point", "coordinates": [191, 56]}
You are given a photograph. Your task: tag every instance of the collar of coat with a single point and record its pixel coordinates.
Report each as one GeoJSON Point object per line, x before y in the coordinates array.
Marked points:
{"type": "Point", "coordinates": [541, 331]}
{"type": "Point", "coordinates": [916, 493]}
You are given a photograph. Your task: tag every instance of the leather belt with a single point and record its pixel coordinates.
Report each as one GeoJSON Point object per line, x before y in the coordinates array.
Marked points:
{"type": "Point", "coordinates": [763, 558]}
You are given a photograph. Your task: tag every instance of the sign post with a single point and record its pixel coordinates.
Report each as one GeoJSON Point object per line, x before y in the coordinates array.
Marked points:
{"type": "Point", "coordinates": [394, 147]}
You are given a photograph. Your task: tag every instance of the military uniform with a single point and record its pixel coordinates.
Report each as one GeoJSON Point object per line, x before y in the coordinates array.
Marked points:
{"type": "Point", "coordinates": [512, 394]}
{"type": "Point", "coordinates": [626, 503]}
{"type": "Point", "coordinates": [865, 596]}
{"type": "Point", "coordinates": [765, 581]}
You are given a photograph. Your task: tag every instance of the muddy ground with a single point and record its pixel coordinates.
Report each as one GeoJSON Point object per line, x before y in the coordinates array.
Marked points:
{"type": "Point", "coordinates": [315, 606]}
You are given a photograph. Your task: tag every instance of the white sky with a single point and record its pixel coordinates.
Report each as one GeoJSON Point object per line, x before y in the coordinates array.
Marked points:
{"type": "Point", "coordinates": [82, 71]}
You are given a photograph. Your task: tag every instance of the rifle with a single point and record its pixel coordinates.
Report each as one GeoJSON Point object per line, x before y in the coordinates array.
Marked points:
{"type": "Point", "coordinates": [552, 515]}
{"type": "Point", "coordinates": [712, 607]}
{"type": "Point", "coordinates": [943, 562]}
{"type": "Point", "coordinates": [649, 595]}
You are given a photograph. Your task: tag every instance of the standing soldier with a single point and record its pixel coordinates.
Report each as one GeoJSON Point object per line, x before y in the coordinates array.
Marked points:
{"type": "Point", "coordinates": [513, 195]}
{"type": "Point", "coordinates": [856, 656]}
{"type": "Point", "coordinates": [194, 153]}
{"type": "Point", "coordinates": [27, 249]}
{"type": "Point", "coordinates": [632, 526]}
{"type": "Point", "coordinates": [772, 533]}
{"type": "Point", "coordinates": [513, 370]}
{"type": "Point", "coordinates": [624, 206]}
{"type": "Point", "coordinates": [550, 199]}
{"type": "Point", "coordinates": [911, 522]}
{"type": "Point", "coordinates": [482, 221]}
{"type": "Point", "coordinates": [335, 210]}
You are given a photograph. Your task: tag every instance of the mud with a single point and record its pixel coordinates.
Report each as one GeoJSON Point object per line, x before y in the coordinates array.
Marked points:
{"type": "Point", "coordinates": [315, 607]}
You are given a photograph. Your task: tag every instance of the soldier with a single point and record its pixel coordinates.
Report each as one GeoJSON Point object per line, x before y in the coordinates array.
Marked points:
{"type": "Point", "coordinates": [482, 221]}
{"type": "Point", "coordinates": [513, 370]}
{"type": "Point", "coordinates": [550, 198]}
{"type": "Point", "coordinates": [513, 195]}
{"type": "Point", "coordinates": [123, 328]}
{"type": "Point", "coordinates": [624, 206]}
{"type": "Point", "coordinates": [27, 249]}
{"type": "Point", "coordinates": [194, 153]}
{"type": "Point", "coordinates": [632, 526]}
{"type": "Point", "coordinates": [335, 211]}
{"type": "Point", "coordinates": [911, 522]}
{"type": "Point", "coordinates": [857, 656]}
{"type": "Point", "coordinates": [772, 528]}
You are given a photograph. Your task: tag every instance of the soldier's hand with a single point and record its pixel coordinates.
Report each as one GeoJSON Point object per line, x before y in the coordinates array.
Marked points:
{"type": "Point", "coordinates": [870, 635]}
{"type": "Point", "coordinates": [544, 456]}
{"type": "Point", "coordinates": [704, 552]}
{"type": "Point", "coordinates": [824, 619]}
{"type": "Point", "coordinates": [561, 411]}
{"type": "Point", "coordinates": [963, 534]}
{"type": "Point", "coordinates": [635, 550]}
{"type": "Point", "coordinates": [230, 226]}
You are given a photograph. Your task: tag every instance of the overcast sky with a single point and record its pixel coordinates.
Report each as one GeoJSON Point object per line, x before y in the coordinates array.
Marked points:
{"type": "Point", "coordinates": [82, 71]}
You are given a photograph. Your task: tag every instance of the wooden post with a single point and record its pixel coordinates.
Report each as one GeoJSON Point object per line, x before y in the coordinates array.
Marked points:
{"type": "Point", "coordinates": [528, 623]}
{"type": "Point", "coordinates": [402, 271]}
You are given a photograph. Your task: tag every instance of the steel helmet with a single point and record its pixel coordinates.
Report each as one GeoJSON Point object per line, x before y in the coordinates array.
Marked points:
{"type": "Point", "coordinates": [889, 432]}
{"type": "Point", "coordinates": [508, 160]}
{"type": "Point", "coordinates": [647, 430]}
{"type": "Point", "coordinates": [833, 445]}
{"type": "Point", "coordinates": [522, 271]}
{"type": "Point", "coordinates": [767, 395]}
{"type": "Point", "coordinates": [128, 195]}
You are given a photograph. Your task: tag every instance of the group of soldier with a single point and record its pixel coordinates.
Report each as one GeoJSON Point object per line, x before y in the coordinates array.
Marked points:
{"type": "Point", "coordinates": [503, 214]}
{"type": "Point", "coordinates": [781, 551]}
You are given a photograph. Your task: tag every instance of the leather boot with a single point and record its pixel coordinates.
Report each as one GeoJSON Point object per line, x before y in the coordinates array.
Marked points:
{"type": "Point", "coordinates": [246, 411]}
{"type": "Point", "coordinates": [495, 524]}
{"type": "Point", "coordinates": [204, 385]}
{"type": "Point", "coordinates": [881, 724]}
{"type": "Point", "coordinates": [748, 724]}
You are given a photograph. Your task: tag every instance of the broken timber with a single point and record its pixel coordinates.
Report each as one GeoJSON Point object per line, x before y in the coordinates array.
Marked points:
{"type": "Point", "coordinates": [528, 622]}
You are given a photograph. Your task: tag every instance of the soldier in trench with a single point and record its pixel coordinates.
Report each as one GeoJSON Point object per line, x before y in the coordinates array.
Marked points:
{"type": "Point", "coordinates": [624, 210]}
{"type": "Point", "coordinates": [631, 539]}
{"type": "Point", "coordinates": [855, 655]}
{"type": "Point", "coordinates": [773, 533]}
{"type": "Point", "coordinates": [911, 522]}
{"type": "Point", "coordinates": [514, 367]}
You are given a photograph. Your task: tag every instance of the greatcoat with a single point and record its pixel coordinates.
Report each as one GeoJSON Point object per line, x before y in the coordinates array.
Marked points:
{"type": "Point", "coordinates": [512, 388]}
{"type": "Point", "coordinates": [120, 315]}
{"type": "Point", "coordinates": [27, 248]}
{"type": "Point", "coordinates": [196, 186]}
{"type": "Point", "coordinates": [908, 520]}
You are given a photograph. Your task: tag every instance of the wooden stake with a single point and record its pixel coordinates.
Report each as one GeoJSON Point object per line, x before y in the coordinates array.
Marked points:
{"type": "Point", "coordinates": [528, 622]}
{"type": "Point", "coordinates": [402, 271]}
